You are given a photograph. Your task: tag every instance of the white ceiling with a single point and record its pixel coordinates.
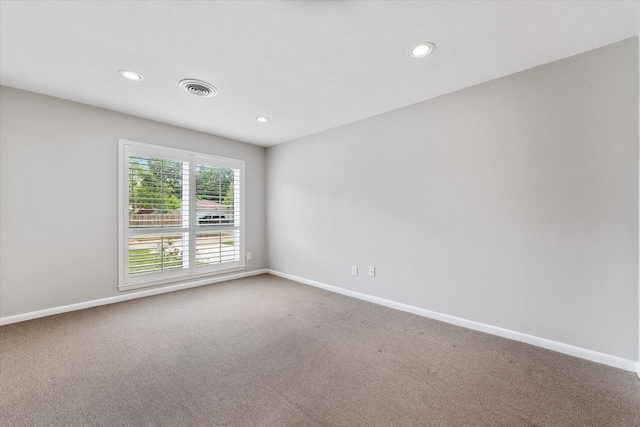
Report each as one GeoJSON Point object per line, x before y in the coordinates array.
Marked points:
{"type": "Point", "coordinates": [307, 65]}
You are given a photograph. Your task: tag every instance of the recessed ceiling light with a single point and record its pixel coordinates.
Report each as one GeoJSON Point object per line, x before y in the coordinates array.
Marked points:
{"type": "Point", "coordinates": [131, 75]}
{"type": "Point", "coordinates": [262, 119]}
{"type": "Point", "coordinates": [422, 49]}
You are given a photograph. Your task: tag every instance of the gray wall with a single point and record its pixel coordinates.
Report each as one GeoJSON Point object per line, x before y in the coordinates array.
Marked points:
{"type": "Point", "coordinates": [58, 204]}
{"type": "Point", "coordinates": [513, 203]}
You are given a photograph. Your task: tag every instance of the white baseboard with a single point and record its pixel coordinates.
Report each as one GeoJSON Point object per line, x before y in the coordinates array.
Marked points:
{"type": "Point", "coordinates": [594, 356]}
{"type": "Point", "coordinates": [125, 297]}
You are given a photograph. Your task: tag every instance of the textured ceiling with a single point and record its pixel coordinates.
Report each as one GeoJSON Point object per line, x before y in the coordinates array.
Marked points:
{"type": "Point", "coordinates": [307, 65]}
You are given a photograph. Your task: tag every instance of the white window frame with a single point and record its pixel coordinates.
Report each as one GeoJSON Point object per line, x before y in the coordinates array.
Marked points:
{"type": "Point", "coordinates": [127, 282]}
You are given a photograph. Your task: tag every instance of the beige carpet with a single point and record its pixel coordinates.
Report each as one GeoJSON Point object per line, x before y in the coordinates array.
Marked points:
{"type": "Point", "coordinates": [264, 351]}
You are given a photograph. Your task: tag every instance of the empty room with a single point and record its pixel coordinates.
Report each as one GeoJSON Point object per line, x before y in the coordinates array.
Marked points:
{"type": "Point", "coordinates": [319, 213]}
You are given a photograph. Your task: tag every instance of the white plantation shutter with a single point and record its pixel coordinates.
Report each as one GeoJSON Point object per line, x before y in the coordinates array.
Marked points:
{"type": "Point", "coordinates": [217, 215]}
{"type": "Point", "coordinates": [181, 215]}
{"type": "Point", "coordinates": [158, 226]}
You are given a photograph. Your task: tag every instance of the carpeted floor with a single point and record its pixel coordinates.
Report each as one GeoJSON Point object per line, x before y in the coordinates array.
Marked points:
{"type": "Point", "coordinates": [264, 351]}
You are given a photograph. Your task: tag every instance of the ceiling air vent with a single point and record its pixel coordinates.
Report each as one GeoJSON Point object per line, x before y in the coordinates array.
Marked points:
{"type": "Point", "coordinates": [198, 87]}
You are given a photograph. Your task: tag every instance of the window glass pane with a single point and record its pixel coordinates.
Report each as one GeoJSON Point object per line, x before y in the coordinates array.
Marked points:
{"type": "Point", "coordinates": [217, 247]}
{"type": "Point", "coordinates": [215, 195]}
{"type": "Point", "coordinates": [157, 193]}
{"type": "Point", "coordinates": [156, 253]}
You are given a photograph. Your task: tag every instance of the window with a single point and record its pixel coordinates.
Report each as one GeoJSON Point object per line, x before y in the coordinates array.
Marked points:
{"type": "Point", "coordinates": [181, 215]}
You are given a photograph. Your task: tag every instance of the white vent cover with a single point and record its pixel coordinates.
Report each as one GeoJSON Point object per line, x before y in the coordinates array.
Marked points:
{"type": "Point", "coordinates": [198, 87]}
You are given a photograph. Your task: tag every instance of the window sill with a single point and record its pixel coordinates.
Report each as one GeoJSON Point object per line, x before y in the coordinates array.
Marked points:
{"type": "Point", "coordinates": [175, 280]}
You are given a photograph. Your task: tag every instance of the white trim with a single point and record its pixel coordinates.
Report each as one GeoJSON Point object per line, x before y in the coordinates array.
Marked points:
{"type": "Point", "coordinates": [125, 297]}
{"type": "Point", "coordinates": [179, 152]}
{"type": "Point", "coordinates": [594, 356]}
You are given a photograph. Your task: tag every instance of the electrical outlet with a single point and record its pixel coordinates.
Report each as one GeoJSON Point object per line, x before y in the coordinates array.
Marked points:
{"type": "Point", "coordinates": [372, 271]}
{"type": "Point", "coordinates": [248, 255]}
{"type": "Point", "coordinates": [354, 270]}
